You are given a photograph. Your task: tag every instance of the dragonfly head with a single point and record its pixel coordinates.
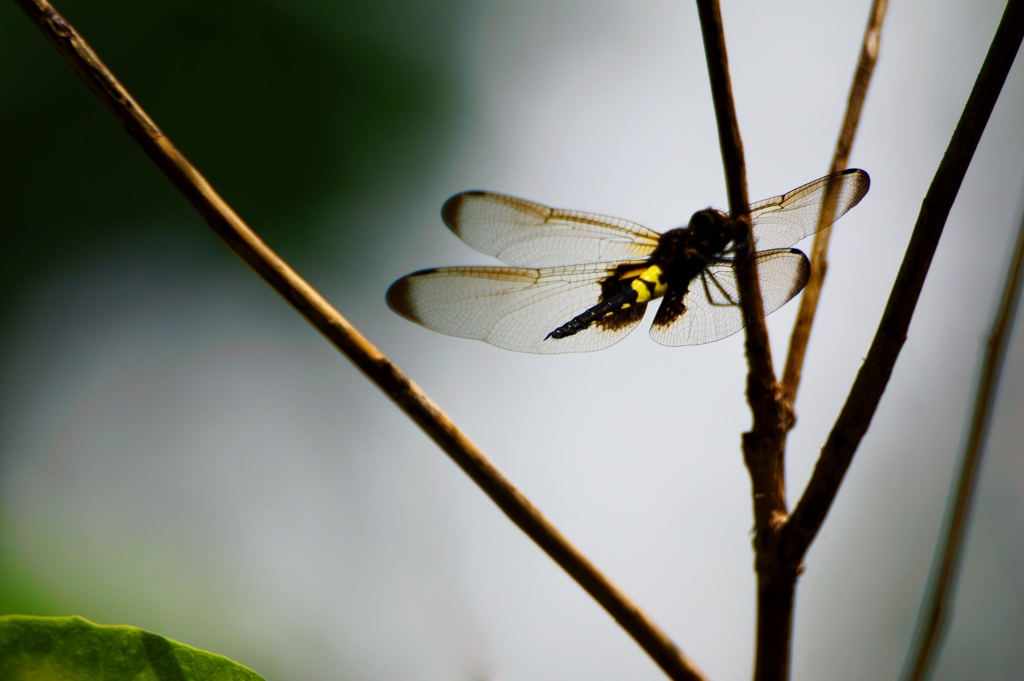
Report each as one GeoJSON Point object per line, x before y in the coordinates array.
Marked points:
{"type": "Point", "coordinates": [712, 231]}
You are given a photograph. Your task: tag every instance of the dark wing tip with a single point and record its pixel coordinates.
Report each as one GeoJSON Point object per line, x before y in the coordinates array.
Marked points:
{"type": "Point", "coordinates": [451, 208]}
{"type": "Point", "coordinates": [863, 180]}
{"type": "Point", "coordinates": [400, 300]}
{"type": "Point", "coordinates": [804, 273]}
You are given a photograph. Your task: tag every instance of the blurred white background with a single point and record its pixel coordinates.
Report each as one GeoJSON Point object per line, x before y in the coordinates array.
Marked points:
{"type": "Point", "coordinates": [183, 453]}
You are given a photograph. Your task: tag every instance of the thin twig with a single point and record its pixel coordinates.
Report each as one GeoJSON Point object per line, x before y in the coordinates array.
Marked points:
{"type": "Point", "coordinates": [856, 414]}
{"type": "Point", "coordinates": [819, 251]}
{"type": "Point", "coordinates": [934, 616]}
{"type": "Point", "coordinates": [340, 333]}
{"type": "Point", "coordinates": [763, 446]}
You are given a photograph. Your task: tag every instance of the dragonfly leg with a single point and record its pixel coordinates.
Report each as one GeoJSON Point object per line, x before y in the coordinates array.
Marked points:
{"type": "Point", "coordinates": [707, 292]}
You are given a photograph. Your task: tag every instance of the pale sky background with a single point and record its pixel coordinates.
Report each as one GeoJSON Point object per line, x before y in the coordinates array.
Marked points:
{"type": "Point", "coordinates": [185, 454]}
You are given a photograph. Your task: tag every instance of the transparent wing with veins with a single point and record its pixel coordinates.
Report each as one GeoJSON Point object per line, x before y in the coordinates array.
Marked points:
{"type": "Point", "coordinates": [528, 234]}
{"type": "Point", "coordinates": [781, 221]}
{"type": "Point", "coordinates": [709, 309]}
{"type": "Point", "coordinates": [510, 307]}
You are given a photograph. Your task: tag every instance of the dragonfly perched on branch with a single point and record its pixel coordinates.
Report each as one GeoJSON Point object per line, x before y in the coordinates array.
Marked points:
{"type": "Point", "coordinates": [581, 282]}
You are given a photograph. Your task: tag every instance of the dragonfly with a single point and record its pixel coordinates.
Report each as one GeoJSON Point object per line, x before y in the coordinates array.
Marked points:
{"type": "Point", "coordinates": [579, 282]}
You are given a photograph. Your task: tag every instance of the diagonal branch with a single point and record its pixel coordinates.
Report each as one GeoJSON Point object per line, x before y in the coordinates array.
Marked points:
{"type": "Point", "coordinates": [819, 251]}
{"type": "Point", "coordinates": [340, 333]}
{"type": "Point", "coordinates": [934, 616]}
{"type": "Point", "coordinates": [856, 414]}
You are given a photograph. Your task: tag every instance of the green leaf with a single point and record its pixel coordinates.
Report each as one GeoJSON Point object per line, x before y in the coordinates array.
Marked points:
{"type": "Point", "coordinates": [75, 649]}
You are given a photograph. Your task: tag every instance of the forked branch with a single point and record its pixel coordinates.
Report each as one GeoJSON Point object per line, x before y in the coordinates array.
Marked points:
{"type": "Point", "coordinates": [240, 238]}
{"type": "Point", "coordinates": [860, 406]}
{"type": "Point", "coordinates": [763, 446]}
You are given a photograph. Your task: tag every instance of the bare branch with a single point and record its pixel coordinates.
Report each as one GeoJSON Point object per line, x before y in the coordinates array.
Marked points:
{"type": "Point", "coordinates": [769, 490]}
{"type": "Point", "coordinates": [729, 139]}
{"type": "Point", "coordinates": [819, 251]}
{"type": "Point", "coordinates": [763, 446]}
{"type": "Point", "coordinates": [934, 616]}
{"type": "Point", "coordinates": [856, 414]}
{"type": "Point", "coordinates": [340, 333]}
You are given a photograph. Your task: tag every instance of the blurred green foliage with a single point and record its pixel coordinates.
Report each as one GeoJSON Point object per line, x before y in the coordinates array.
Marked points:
{"type": "Point", "coordinates": [19, 592]}
{"type": "Point", "coordinates": [74, 649]}
{"type": "Point", "coordinates": [288, 108]}
{"type": "Point", "coordinates": [285, 107]}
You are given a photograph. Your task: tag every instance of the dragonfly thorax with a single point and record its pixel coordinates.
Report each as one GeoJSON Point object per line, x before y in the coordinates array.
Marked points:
{"type": "Point", "coordinates": [685, 250]}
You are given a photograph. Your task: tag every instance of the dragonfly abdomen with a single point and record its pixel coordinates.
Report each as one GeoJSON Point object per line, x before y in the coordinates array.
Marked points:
{"type": "Point", "coordinates": [621, 300]}
{"type": "Point", "coordinates": [650, 284]}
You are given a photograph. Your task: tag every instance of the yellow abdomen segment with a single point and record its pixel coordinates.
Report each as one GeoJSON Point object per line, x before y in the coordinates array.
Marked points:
{"type": "Point", "coordinates": [650, 284]}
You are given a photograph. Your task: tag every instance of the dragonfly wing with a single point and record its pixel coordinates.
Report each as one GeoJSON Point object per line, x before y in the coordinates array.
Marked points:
{"type": "Point", "coordinates": [783, 220]}
{"type": "Point", "coordinates": [510, 307]}
{"type": "Point", "coordinates": [528, 234]}
{"type": "Point", "coordinates": [709, 310]}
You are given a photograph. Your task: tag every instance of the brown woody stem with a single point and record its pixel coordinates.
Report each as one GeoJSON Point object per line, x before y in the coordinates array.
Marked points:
{"type": "Point", "coordinates": [860, 406]}
{"type": "Point", "coordinates": [763, 446]}
{"type": "Point", "coordinates": [934, 616]}
{"type": "Point", "coordinates": [241, 239]}
{"type": "Point", "coordinates": [819, 251]}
